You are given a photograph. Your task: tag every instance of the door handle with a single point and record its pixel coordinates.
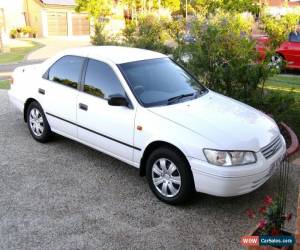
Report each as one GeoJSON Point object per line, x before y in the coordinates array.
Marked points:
{"type": "Point", "coordinates": [42, 91]}
{"type": "Point", "coordinates": [83, 106]}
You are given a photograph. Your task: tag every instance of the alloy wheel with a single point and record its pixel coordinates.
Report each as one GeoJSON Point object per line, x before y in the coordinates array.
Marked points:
{"type": "Point", "coordinates": [166, 177]}
{"type": "Point", "coordinates": [36, 122]}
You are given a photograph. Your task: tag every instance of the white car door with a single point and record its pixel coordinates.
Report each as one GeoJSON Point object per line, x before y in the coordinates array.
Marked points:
{"type": "Point", "coordinates": [108, 128]}
{"type": "Point", "coordinates": [59, 92]}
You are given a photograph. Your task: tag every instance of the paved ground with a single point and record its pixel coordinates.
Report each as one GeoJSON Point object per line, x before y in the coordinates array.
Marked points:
{"type": "Point", "coordinates": [55, 44]}
{"type": "Point", "coordinates": [52, 46]}
{"type": "Point", "coordinates": [63, 195]}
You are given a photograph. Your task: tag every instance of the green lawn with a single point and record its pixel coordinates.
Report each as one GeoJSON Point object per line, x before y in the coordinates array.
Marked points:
{"type": "Point", "coordinates": [18, 53]}
{"type": "Point", "coordinates": [288, 83]}
{"type": "Point", "coordinates": [4, 84]}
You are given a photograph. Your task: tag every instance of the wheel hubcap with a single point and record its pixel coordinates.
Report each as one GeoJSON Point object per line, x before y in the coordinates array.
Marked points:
{"type": "Point", "coordinates": [166, 177]}
{"type": "Point", "coordinates": [276, 61]}
{"type": "Point", "coordinates": [36, 122]}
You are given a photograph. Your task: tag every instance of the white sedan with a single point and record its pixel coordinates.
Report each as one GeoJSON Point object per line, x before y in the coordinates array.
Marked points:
{"type": "Point", "coordinates": [142, 108]}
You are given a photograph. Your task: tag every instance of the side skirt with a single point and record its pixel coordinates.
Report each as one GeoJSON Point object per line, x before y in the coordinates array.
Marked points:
{"type": "Point", "coordinates": [134, 164]}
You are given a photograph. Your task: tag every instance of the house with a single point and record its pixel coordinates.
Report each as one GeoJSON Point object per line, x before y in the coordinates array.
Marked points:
{"type": "Point", "coordinates": [281, 7]}
{"type": "Point", "coordinates": [47, 17]}
{"type": "Point", "coordinates": [56, 18]}
{"type": "Point", "coordinates": [281, 3]}
{"type": "Point", "coordinates": [11, 17]}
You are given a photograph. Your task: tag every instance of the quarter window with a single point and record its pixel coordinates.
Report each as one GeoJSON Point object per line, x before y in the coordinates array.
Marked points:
{"type": "Point", "coordinates": [100, 80]}
{"type": "Point", "coordinates": [66, 71]}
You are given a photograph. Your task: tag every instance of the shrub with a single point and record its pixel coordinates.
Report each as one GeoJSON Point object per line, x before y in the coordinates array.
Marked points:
{"type": "Point", "coordinates": [277, 103]}
{"type": "Point", "coordinates": [224, 58]}
{"type": "Point", "coordinates": [148, 32]}
{"type": "Point", "coordinates": [272, 216]}
{"type": "Point", "coordinates": [101, 37]}
{"type": "Point", "coordinates": [28, 30]}
{"type": "Point", "coordinates": [21, 31]}
{"type": "Point", "coordinates": [13, 33]}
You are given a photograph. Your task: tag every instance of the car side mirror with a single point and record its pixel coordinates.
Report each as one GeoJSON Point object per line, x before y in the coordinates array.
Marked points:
{"type": "Point", "coordinates": [118, 100]}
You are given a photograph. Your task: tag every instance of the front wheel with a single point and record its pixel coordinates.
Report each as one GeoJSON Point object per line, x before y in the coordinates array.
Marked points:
{"type": "Point", "coordinates": [277, 62]}
{"type": "Point", "coordinates": [37, 123]}
{"type": "Point", "coordinates": [169, 176]}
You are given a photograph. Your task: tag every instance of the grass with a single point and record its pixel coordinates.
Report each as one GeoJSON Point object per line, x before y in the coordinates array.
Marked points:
{"type": "Point", "coordinates": [288, 83]}
{"type": "Point", "coordinates": [18, 53]}
{"type": "Point", "coordinates": [4, 84]}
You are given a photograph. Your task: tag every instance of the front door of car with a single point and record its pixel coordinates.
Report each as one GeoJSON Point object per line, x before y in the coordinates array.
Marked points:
{"type": "Point", "coordinates": [108, 128]}
{"type": "Point", "coordinates": [58, 94]}
{"type": "Point", "coordinates": [295, 49]}
{"type": "Point", "coordinates": [291, 50]}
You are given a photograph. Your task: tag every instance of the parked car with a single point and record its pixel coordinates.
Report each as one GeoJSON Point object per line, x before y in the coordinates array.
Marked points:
{"type": "Point", "coordinates": [142, 108]}
{"type": "Point", "coordinates": [288, 51]}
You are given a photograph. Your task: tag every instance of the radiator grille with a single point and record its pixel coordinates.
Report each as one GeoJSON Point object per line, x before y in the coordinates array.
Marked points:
{"type": "Point", "coordinates": [272, 148]}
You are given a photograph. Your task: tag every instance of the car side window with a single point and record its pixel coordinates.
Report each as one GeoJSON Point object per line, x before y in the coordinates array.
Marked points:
{"type": "Point", "coordinates": [101, 81]}
{"type": "Point", "coordinates": [66, 71]}
{"type": "Point", "coordinates": [294, 37]}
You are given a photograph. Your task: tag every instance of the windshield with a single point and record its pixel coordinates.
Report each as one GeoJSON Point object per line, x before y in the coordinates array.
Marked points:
{"type": "Point", "coordinates": [160, 82]}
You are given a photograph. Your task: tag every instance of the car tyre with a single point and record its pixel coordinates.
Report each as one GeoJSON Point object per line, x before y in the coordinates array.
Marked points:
{"type": "Point", "coordinates": [37, 123]}
{"type": "Point", "coordinates": [277, 61]}
{"type": "Point", "coordinates": [169, 176]}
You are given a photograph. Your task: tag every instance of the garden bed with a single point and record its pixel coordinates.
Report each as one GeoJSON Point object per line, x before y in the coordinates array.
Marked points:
{"type": "Point", "coordinates": [291, 139]}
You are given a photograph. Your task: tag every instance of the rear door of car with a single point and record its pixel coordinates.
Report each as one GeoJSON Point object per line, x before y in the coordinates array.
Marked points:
{"type": "Point", "coordinates": [59, 93]}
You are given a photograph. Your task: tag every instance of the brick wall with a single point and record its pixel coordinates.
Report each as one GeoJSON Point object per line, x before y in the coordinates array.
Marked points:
{"type": "Point", "coordinates": [297, 233]}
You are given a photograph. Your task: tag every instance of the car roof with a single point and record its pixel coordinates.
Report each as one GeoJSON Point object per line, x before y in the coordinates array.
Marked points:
{"type": "Point", "coordinates": [115, 54]}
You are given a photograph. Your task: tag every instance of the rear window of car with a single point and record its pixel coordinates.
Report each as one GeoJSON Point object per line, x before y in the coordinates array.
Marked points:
{"type": "Point", "coordinates": [67, 71]}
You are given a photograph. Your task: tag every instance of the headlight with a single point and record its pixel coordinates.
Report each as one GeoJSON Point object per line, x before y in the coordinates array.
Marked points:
{"type": "Point", "coordinates": [229, 158]}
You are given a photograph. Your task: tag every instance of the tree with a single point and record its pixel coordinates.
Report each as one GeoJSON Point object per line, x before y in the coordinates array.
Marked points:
{"type": "Point", "coordinates": [150, 31]}
{"type": "Point", "coordinates": [172, 5]}
{"type": "Point", "coordinates": [211, 6]}
{"type": "Point", "coordinates": [95, 8]}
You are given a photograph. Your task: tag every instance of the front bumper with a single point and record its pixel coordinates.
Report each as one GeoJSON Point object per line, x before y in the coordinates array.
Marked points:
{"type": "Point", "coordinates": [237, 180]}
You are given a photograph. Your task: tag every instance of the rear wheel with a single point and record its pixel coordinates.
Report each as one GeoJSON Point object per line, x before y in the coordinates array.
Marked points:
{"type": "Point", "coordinates": [169, 176]}
{"type": "Point", "coordinates": [37, 123]}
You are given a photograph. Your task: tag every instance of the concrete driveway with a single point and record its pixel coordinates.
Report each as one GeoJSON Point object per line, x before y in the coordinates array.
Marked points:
{"type": "Point", "coordinates": [52, 46]}
{"type": "Point", "coordinates": [63, 195]}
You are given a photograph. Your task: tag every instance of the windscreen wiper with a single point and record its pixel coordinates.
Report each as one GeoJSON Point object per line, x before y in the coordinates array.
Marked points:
{"type": "Point", "coordinates": [179, 97]}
